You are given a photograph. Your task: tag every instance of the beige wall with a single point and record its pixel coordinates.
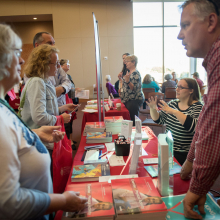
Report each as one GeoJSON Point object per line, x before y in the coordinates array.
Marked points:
{"type": "Point", "coordinates": [74, 33]}
{"type": "Point", "coordinates": [27, 30]}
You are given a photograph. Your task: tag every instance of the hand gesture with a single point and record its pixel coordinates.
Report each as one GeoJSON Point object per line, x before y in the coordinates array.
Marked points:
{"type": "Point", "coordinates": [127, 77]}
{"type": "Point", "coordinates": [190, 201]}
{"type": "Point", "coordinates": [74, 202]}
{"type": "Point", "coordinates": [49, 134]}
{"type": "Point", "coordinates": [152, 102]}
{"type": "Point", "coordinates": [166, 108]}
{"type": "Point", "coordinates": [120, 76]}
{"type": "Point", "coordinates": [70, 107]}
{"type": "Point", "coordinates": [66, 117]}
{"type": "Point", "coordinates": [186, 171]}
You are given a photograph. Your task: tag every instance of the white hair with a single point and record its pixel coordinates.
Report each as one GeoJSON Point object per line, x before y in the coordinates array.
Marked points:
{"type": "Point", "coordinates": [108, 78]}
{"type": "Point", "coordinates": [9, 40]}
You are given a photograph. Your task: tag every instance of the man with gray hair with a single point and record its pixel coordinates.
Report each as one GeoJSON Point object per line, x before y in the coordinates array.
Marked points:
{"type": "Point", "coordinates": [60, 80]}
{"type": "Point", "coordinates": [198, 80]}
{"type": "Point", "coordinates": [169, 83]}
{"type": "Point", "coordinates": [200, 35]}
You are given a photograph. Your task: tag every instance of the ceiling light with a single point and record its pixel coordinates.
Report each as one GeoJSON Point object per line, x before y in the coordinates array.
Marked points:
{"type": "Point", "coordinates": [35, 18]}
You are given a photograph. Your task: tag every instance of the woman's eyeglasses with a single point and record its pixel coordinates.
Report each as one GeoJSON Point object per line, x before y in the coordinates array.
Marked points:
{"type": "Point", "coordinates": [56, 64]}
{"type": "Point", "coordinates": [181, 87]}
{"type": "Point", "coordinates": [17, 52]}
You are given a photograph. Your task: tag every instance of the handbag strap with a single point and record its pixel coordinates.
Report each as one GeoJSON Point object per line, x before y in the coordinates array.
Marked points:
{"type": "Point", "coordinates": [23, 100]}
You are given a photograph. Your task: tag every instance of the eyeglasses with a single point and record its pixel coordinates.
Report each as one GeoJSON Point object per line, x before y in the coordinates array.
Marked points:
{"type": "Point", "coordinates": [216, 7]}
{"type": "Point", "coordinates": [17, 52]}
{"type": "Point", "coordinates": [56, 64]}
{"type": "Point", "coordinates": [181, 87]}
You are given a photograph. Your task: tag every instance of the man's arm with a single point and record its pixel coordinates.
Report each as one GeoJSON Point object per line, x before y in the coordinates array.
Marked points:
{"type": "Point", "coordinates": [61, 82]}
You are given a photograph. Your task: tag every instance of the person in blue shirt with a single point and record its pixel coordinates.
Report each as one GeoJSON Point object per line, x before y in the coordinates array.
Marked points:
{"type": "Point", "coordinates": [149, 83]}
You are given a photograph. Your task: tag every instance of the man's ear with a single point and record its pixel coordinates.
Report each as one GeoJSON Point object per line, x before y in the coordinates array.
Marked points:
{"type": "Point", "coordinates": [213, 22]}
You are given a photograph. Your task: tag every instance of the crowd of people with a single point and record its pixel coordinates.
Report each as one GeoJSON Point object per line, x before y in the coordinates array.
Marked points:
{"type": "Point", "coordinates": [25, 185]}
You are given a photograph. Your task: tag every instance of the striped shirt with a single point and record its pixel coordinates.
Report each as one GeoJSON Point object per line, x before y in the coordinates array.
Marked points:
{"type": "Point", "coordinates": [205, 146]}
{"type": "Point", "coordinates": [182, 134]}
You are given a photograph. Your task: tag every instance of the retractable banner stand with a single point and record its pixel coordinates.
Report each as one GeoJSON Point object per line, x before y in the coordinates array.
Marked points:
{"type": "Point", "coordinates": [98, 69]}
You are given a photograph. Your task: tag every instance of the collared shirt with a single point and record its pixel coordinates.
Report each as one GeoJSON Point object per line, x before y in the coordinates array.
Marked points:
{"type": "Point", "coordinates": [205, 147]}
{"type": "Point", "coordinates": [61, 79]}
{"type": "Point", "coordinates": [200, 82]}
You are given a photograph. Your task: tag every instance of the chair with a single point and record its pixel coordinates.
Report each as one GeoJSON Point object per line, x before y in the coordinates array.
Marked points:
{"type": "Point", "coordinates": [146, 91]}
{"type": "Point", "coordinates": [202, 90]}
{"type": "Point", "coordinates": [95, 90]}
{"type": "Point", "coordinates": [170, 94]}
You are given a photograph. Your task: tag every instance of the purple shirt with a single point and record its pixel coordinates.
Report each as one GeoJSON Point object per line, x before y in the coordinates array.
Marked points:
{"type": "Point", "coordinates": [110, 88]}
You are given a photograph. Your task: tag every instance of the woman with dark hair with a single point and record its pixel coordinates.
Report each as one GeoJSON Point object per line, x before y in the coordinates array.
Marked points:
{"type": "Point", "coordinates": [149, 83]}
{"type": "Point", "coordinates": [180, 116]}
{"type": "Point", "coordinates": [124, 71]}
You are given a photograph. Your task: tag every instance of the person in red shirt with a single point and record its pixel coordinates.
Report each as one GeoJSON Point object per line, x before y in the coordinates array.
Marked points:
{"type": "Point", "coordinates": [199, 81]}
{"type": "Point", "coordinates": [200, 35]}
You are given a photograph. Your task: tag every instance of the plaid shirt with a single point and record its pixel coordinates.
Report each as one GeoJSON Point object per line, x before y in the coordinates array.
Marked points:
{"type": "Point", "coordinates": [205, 147]}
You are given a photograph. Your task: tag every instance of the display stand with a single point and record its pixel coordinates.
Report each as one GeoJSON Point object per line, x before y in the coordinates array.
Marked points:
{"type": "Point", "coordinates": [165, 163]}
{"type": "Point", "coordinates": [98, 70]}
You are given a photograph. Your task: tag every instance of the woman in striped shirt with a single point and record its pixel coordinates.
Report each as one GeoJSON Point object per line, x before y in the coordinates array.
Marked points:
{"type": "Point", "coordinates": [180, 115]}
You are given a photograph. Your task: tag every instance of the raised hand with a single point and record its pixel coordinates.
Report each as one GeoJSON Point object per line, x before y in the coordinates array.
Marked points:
{"type": "Point", "coordinates": [152, 102]}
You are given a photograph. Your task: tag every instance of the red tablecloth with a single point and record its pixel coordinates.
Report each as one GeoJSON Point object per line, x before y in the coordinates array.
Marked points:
{"type": "Point", "coordinates": [93, 117]}
{"type": "Point", "coordinates": [150, 146]}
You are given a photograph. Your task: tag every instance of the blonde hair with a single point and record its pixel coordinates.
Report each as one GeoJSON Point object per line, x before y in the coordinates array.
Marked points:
{"type": "Point", "coordinates": [63, 61]}
{"type": "Point", "coordinates": [147, 79]}
{"type": "Point", "coordinates": [108, 78]}
{"type": "Point", "coordinates": [9, 40]}
{"type": "Point", "coordinates": [39, 60]}
{"type": "Point", "coordinates": [132, 58]}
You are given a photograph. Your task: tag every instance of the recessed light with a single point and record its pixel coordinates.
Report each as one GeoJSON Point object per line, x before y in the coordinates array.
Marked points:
{"type": "Point", "coordinates": [35, 18]}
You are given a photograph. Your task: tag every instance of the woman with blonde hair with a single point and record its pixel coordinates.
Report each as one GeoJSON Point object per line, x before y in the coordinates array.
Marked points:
{"type": "Point", "coordinates": [131, 93]}
{"type": "Point", "coordinates": [149, 83]}
{"type": "Point", "coordinates": [180, 115]}
{"type": "Point", "coordinates": [26, 189]}
{"type": "Point", "coordinates": [39, 95]}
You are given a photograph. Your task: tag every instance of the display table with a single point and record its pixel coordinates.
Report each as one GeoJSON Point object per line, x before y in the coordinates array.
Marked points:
{"type": "Point", "coordinates": [93, 117]}
{"type": "Point", "coordinates": [150, 146]}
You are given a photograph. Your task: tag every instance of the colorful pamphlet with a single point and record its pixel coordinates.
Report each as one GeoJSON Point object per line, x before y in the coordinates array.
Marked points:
{"type": "Point", "coordinates": [153, 170]}
{"type": "Point", "coordinates": [92, 172]}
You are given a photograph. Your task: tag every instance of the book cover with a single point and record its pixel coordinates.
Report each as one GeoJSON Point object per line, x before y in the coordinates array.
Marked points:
{"type": "Point", "coordinates": [90, 172]}
{"type": "Point", "coordinates": [175, 208]}
{"type": "Point", "coordinates": [98, 135]}
{"type": "Point", "coordinates": [153, 170]}
{"type": "Point", "coordinates": [113, 119]}
{"type": "Point", "coordinates": [135, 196]}
{"type": "Point", "coordinates": [100, 202]}
{"type": "Point", "coordinates": [91, 125]}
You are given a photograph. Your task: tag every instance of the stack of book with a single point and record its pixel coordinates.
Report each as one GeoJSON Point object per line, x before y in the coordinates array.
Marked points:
{"type": "Point", "coordinates": [92, 102]}
{"type": "Point", "coordinates": [100, 202]}
{"type": "Point", "coordinates": [113, 124]}
{"type": "Point", "coordinates": [98, 137]}
{"type": "Point", "coordinates": [137, 199]}
{"type": "Point", "coordinates": [91, 106]}
{"type": "Point", "coordinates": [92, 172]}
{"type": "Point", "coordinates": [94, 127]}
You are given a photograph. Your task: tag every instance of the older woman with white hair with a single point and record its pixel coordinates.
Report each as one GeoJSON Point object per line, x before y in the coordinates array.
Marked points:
{"type": "Point", "coordinates": [131, 92]}
{"type": "Point", "coordinates": [26, 189]}
{"type": "Point", "coordinates": [110, 88]}
{"type": "Point", "coordinates": [168, 83]}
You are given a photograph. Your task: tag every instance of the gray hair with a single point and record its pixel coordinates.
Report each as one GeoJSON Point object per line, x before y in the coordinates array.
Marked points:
{"type": "Point", "coordinates": [168, 76]}
{"type": "Point", "coordinates": [132, 58]}
{"type": "Point", "coordinates": [9, 40]}
{"type": "Point", "coordinates": [38, 37]}
{"type": "Point", "coordinates": [108, 78]}
{"type": "Point", "coordinates": [203, 8]}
